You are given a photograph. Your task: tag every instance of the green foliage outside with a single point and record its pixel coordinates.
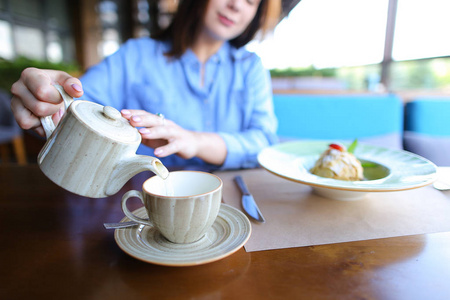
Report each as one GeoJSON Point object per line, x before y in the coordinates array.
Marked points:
{"type": "Point", "coordinates": [10, 70]}
{"type": "Point", "coordinates": [407, 75]}
{"type": "Point", "coordinates": [426, 74]}
{"type": "Point", "coordinates": [303, 72]}
{"type": "Point", "coordinates": [358, 77]}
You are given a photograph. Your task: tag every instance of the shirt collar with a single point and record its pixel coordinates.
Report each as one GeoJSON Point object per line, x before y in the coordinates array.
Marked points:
{"type": "Point", "coordinates": [189, 57]}
{"type": "Point", "coordinates": [227, 51]}
{"type": "Point", "coordinates": [224, 52]}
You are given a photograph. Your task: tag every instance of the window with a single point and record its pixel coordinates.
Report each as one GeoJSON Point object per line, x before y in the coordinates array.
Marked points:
{"type": "Point", "coordinates": [421, 29]}
{"type": "Point", "coordinates": [327, 33]}
{"type": "Point", "coordinates": [350, 35]}
{"type": "Point", "coordinates": [36, 29]}
{"type": "Point", "coordinates": [109, 17]}
{"type": "Point", "coordinates": [6, 50]}
{"type": "Point", "coordinates": [29, 42]}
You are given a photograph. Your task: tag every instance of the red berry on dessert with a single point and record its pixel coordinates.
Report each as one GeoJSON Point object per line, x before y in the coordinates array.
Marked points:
{"type": "Point", "coordinates": [337, 147]}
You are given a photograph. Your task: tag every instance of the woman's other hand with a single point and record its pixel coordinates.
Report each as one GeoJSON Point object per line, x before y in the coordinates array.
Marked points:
{"type": "Point", "coordinates": [34, 96]}
{"type": "Point", "coordinates": [167, 138]}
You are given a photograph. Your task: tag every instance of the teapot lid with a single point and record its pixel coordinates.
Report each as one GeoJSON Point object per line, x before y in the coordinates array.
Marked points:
{"type": "Point", "coordinates": [105, 120]}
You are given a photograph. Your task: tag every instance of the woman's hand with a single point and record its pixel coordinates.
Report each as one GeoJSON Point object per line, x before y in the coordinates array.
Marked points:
{"type": "Point", "coordinates": [166, 138]}
{"type": "Point", "coordinates": [35, 97]}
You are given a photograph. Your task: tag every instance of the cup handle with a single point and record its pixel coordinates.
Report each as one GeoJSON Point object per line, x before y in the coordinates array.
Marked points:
{"type": "Point", "coordinates": [47, 122]}
{"type": "Point", "coordinates": [129, 214]}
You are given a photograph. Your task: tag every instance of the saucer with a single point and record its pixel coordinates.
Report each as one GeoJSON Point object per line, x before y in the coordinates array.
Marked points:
{"type": "Point", "coordinates": [230, 231]}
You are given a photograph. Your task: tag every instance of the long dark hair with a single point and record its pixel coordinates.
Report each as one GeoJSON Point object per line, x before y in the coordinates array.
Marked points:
{"type": "Point", "coordinates": [187, 24]}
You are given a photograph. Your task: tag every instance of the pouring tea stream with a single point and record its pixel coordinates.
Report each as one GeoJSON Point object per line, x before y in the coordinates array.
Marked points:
{"type": "Point", "coordinates": [92, 151]}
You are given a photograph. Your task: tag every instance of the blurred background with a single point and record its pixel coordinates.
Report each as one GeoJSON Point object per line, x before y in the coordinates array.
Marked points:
{"type": "Point", "coordinates": [318, 46]}
{"type": "Point", "coordinates": [346, 45]}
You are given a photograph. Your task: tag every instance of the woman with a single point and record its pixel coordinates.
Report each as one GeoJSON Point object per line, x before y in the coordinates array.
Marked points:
{"type": "Point", "coordinates": [192, 90]}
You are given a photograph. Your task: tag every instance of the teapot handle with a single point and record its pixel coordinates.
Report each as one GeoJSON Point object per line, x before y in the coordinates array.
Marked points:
{"type": "Point", "coordinates": [47, 122]}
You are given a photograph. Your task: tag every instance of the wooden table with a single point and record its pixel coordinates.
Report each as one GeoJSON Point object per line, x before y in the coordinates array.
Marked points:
{"type": "Point", "coordinates": [53, 245]}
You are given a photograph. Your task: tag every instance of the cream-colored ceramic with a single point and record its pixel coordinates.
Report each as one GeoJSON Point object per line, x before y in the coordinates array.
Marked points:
{"type": "Point", "coordinates": [92, 151]}
{"type": "Point", "coordinates": [182, 207]}
{"type": "Point", "coordinates": [229, 233]}
{"type": "Point", "coordinates": [392, 170]}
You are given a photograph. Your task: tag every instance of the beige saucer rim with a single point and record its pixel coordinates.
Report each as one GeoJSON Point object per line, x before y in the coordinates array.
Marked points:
{"type": "Point", "coordinates": [228, 234]}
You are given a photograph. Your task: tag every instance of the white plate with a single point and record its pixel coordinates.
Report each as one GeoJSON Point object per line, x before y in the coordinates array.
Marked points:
{"type": "Point", "coordinates": [230, 231]}
{"type": "Point", "coordinates": [397, 170]}
{"type": "Point", "coordinates": [443, 181]}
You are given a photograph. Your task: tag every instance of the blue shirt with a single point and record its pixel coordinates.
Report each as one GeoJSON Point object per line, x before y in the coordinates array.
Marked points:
{"type": "Point", "coordinates": [235, 100]}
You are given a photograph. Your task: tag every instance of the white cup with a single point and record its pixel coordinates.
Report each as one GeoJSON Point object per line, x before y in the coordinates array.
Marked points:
{"type": "Point", "coordinates": [182, 208]}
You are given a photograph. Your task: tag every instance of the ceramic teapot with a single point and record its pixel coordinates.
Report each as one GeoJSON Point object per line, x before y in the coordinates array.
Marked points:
{"type": "Point", "coordinates": [92, 151]}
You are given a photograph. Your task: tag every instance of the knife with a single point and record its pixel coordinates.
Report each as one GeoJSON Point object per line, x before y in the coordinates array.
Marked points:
{"type": "Point", "coordinates": [248, 203]}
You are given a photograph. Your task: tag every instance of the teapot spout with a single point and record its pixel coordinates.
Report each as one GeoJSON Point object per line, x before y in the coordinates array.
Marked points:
{"type": "Point", "coordinates": [131, 166]}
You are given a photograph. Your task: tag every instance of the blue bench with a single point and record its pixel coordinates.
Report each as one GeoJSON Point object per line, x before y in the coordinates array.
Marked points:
{"type": "Point", "coordinates": [373, 119]}
{"type": "Point", "coordinates": [427, 129]}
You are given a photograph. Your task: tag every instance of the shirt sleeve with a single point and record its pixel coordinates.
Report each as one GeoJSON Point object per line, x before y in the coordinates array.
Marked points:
{"type": "Point", "coordinates": [260, 129]}
{"type": "Point", "coordinates": [105, 82]}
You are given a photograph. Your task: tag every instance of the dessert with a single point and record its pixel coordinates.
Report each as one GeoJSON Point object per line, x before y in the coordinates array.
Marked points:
{"type": "Point", "coordinates": [338, 163]}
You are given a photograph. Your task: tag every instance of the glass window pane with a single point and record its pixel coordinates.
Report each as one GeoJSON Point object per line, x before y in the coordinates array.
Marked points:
{"type": "Point", "coordinates": [108, 13]}
{"type": "Point", "coordinates": [6, 50]}
{"type": "Point", "coordinates": [426, 74]}
{"type": "Point", "coordinates": [29, 42]}
{"type": "Point", "coordinates": [68, 46]}
{"type": "Point", "coordinates": [54, 47]}
{"type": "Point", "coordinates": [361, 77]}
{"type": "Point", "coordinates": [28, 8]}
{"type": "Point", "coordinates": [58, 14]}
{"type": "Point", "coordinates": [327, 33]}
{"type": "Point", "coordinates": [421, 29]}
{"type": "Point", "coordinates": [110, 42]}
